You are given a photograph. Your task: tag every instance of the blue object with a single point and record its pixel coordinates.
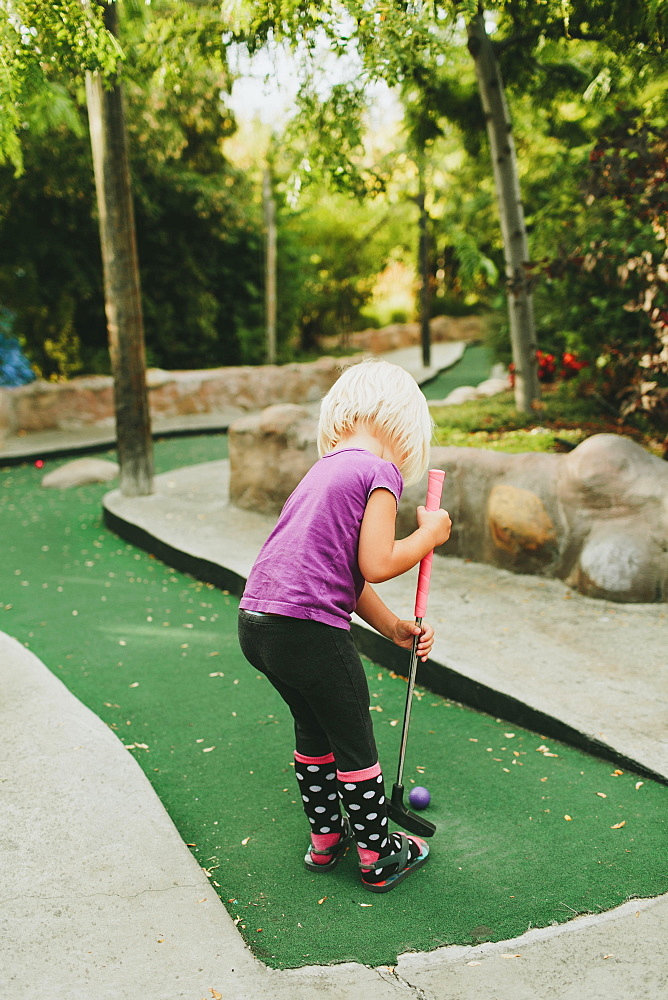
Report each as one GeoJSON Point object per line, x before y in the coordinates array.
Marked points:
{"type": "Point", "coordinates": [419, 797]}
{"type": "Point", "coordinates": [14, 366]}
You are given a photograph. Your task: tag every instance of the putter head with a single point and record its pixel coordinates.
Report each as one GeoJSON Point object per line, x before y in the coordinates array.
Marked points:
{"type": "Point", "coordinates": [402, 816]}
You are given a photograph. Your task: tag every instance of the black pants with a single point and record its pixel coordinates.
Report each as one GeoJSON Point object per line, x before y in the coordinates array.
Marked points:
{"type": "Point", "coordinates": [318, 672]}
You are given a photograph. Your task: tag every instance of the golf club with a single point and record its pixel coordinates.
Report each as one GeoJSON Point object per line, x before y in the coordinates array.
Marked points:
{"type": "Point", "coordinates": [395, 807]}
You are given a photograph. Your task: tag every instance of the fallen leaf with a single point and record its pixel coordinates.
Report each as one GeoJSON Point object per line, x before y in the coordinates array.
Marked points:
{"type": "Point", "coordinates": [474, 963]}
{"type": "Point", "coordinates": [611, 955]}
{"type": "Point", "coordinates": [512, 956]}
{"type": "Point", "coordinates": [215, 994]}
{"type": "Point", "coordinates": [366, 904]}
{"type": "Point", "coordinates": [639, 784]}
{"type": "Point", "coordinates": [569, 818]}
{"type": "Point", "coordinates": [207, 749]}
{"type": "Point", "coordinates": [320, 901]}
{"type": "Point", "coordinates": [616, 773]}
{"type": "Point", "coordinates": [245, 841]}
{"type": "Point", "coordinates": [618, 826]}
{"type": "Point", "coordinates": [602, 795]}
{"type": "Point", "coordinates": [509, 736]}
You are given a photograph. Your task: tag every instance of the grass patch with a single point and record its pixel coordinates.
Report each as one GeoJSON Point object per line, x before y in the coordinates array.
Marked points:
{"type": "Point", "coordinates": [560, 419]}
{"type": "Point", "coordinates": [472, 368]}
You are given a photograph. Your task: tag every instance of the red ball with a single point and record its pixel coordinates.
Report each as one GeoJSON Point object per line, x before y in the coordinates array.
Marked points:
{"type": "Point", "coordinates": [39, 464]}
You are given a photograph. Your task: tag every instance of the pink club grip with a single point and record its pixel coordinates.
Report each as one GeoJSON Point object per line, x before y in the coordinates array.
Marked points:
{"type": "Point", "coordinates": [433, 502]}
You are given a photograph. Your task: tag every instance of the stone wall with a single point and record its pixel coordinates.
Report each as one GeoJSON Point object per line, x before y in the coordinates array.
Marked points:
{"type": "Point", "coordinates": [398, 335]}
{"type": "Point", "coordinates": [596, 517]}
{"type": "Point", "coordinates": [225, 392]}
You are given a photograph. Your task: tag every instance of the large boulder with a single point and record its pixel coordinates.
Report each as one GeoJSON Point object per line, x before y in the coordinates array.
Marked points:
{"type": "Point", "coordinates": [79, 472]}
{"type": "Point", "coordinates": [269, 453]}
{"type": "Point", "coordinates": [596, 517]}
{"type": "Point", "coordinates": [616, 497]}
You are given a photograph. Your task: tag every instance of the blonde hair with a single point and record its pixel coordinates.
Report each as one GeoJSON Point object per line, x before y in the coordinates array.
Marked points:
{"type": "Point", "coordinates": [389, 400]}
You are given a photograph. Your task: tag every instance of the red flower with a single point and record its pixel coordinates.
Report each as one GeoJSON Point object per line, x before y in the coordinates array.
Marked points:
{"type": "Point", "coordinates": [547, 366]}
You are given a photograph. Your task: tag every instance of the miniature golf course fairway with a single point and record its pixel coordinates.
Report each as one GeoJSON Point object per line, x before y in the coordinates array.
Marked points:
{"type": "Point", "coordinates": [472, 368]}
{"type": "Point", "coordinates": [530, 832]}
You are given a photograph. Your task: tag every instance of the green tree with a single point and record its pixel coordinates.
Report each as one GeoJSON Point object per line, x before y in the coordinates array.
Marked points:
{"type": "Point", "coordinates": [408, 42]}
{"type": "Point", "coordinates": [197, 217]}
{"type": "Point", "coordinates": [338, 246]}
{"type": "Point", "coordinates": [604, 285]}
{"type": "Point", "coordinates": [120, 265]}
{"type": "Point", "coordinates": [39, 42]}
{"type": "Point", "coordinates": [404, 43]}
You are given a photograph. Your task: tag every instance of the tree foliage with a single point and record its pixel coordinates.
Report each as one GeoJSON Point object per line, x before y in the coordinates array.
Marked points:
{"type": "Point", "coordinates": [587, 98]}
{"type": "Point", "coordinates": [198, 223]}
{"type": "Point", "coordinates": [40, 42]}
{"type": "Point", "coordinates": [605, 294]}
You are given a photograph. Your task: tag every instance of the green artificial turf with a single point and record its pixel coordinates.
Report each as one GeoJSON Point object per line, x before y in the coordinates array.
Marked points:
{"type": "Point", "coordinates": [472, 368]}
{"type": "Point", "coordinates": [530, 832]}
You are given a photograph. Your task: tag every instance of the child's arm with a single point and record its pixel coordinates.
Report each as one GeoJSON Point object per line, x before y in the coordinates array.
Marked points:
{"type": "Point", "coordinates": [376, 613]}
{"type": "Point", "coordinates": [380, 556]}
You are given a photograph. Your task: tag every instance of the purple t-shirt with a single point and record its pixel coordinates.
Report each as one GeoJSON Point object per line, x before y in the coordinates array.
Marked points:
{"type": "Point", "coordinates": [308, 566]}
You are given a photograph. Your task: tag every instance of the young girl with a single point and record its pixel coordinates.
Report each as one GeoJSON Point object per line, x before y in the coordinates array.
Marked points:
{"type": "Point", "coordinates": [334, 538]}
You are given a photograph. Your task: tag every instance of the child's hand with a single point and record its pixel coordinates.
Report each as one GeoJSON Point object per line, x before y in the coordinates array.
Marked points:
{"type": "Point", "coordinates": [403, 636]}
{"type": "Point", "coordinates": [437, 522]}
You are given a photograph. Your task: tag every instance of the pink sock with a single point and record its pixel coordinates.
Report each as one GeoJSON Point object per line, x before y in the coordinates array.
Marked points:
{"type": "Point", "coordinates": [321, 841]}
{"type": "Point", "coordinates": [367, 858]}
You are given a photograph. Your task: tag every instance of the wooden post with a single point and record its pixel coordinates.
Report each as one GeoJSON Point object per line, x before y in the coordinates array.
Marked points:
{"type": "Point", "coordinates": [121, 277]}
{"type": "Point", "coordinates": [270, 264]}
{"type": "Point", "coordinates": [423, 264]}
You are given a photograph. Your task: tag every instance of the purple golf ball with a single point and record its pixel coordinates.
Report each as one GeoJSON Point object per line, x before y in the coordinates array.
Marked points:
{"type": "Point", "coordinates": [419, 797]}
